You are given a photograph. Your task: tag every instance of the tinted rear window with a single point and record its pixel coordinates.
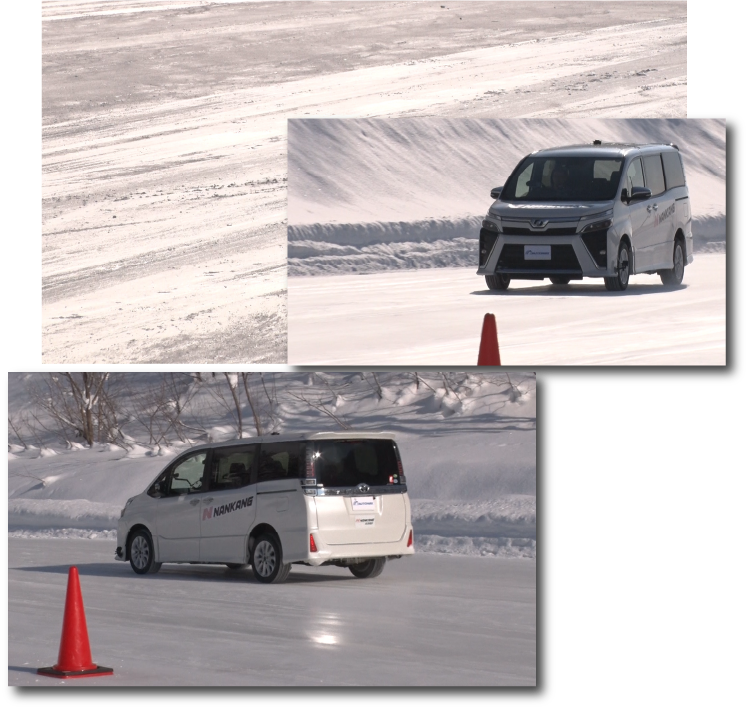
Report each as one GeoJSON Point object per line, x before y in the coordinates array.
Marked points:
{"type": "Point", "coordinates": [349, 463]}
{"type": "Point", "coordinates": [653, 173]}
{"type": "Point", "coordinates": [674, 176]}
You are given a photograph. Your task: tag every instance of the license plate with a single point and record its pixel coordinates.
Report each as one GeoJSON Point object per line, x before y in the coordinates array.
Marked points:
{"type": "Point", "coordinates": [537, 253]}
{"type": "Point", "coordinates": [362, 504]}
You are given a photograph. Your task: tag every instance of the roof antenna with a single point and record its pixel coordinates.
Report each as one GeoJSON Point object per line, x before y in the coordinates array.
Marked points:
{"type": "Point", "coordinates": [597, 142]}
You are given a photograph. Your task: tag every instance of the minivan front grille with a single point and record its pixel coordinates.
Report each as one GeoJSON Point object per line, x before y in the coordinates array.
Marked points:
{"type": "Point", "coordinates": [553, 231]}
{"type": "Point", "coordinates": [562, 258]}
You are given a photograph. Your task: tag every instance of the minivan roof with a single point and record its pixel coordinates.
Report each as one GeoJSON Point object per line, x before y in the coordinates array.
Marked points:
{"type": "Point", "coordinates": [284, 437]}
{"type": "Point", "coordinates": [603, 149]}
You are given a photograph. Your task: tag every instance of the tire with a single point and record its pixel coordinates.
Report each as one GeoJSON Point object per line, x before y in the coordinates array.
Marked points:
{"type": "Point", "coordinates": [237, 567]}
{"type": "Point", "coordinates": [674, 276]}
{"type": "Point", "coordinates": [368, 569]}
{"type": "Point", "coordinates": [141, 553]}
{"type": "Point", "coordinates": [498, 281]}
{"type": "Point", "coordinates": [560, 280]}
{"type": "Point", "coordinates": [620, 281]}
{"type": "Point", "coordinates": [267, 560]}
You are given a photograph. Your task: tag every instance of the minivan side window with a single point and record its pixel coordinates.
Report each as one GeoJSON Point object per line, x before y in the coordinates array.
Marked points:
{"type": "Point", "coordinates": [653, 174]}
{"type": "Point", "coordinates": [280, 461]}
{"type": "Point", "coordinates": [674, 176]}
{"type": "Point", "coordinates": [187, 476]}
{"type": "Point", "coordinates": [231, 468]}
{"type": "Point", "coordinates": [634, 175]}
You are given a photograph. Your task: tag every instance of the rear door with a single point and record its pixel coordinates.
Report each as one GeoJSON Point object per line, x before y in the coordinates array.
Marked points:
{"type": "Point", "coordinates": [280, 500]}
{"type": "Point", "coordinates": [363, 500]}
{"type": "Point", "coordinates": [228, 509]}
{"type": "Point", "coordinates": [662, 210]}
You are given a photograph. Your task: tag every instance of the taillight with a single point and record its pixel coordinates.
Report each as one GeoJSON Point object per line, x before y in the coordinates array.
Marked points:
{"type": "Point", "coordinates": [410, 538]}
{"type": "Point", "coordinates": [312, 545]}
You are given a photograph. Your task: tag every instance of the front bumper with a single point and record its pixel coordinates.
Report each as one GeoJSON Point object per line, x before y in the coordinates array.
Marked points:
{"type": "Point", "coordinates": [572, 256]}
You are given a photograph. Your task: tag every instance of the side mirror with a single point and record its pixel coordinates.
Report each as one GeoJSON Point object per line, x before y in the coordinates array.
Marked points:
{"type": "Point", "coordinates": [639, 194]}
{"type": "Point", "coordinates": [496, 192]}
{"type": "Point", "coordinates": [625, 195]}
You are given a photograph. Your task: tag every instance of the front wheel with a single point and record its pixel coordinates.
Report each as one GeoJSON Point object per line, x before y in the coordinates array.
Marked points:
{"type": "Point", "coordinates": [267, 560]}
{"type": "Point", "coordinates": [141, 553]}
{"type": "Point", "coordinates": [367, 569]}
{"type": "Point", "coordinates": [498, 281]}
{"type": "Point", "coordinates": [620, 281]}
{"type": "Point", "coordinates": [674, 276]}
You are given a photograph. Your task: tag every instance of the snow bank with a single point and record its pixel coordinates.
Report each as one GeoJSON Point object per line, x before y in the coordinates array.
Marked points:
{"type": "Point", "coordinates": [78, 514]}
{"type": "Point", "coordinates": [315, 249]}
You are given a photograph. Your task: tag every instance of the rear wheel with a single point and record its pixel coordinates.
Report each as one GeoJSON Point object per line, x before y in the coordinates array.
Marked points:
{"type": "Point", "coordinates": [620, 281]}
{"type": "Point", "coordinates": [498, 281]}
{"type": "Point", "coordinates": [674, 276]}
{"type": "Point", "coordinates": [367, 569]}
{"type": "Point", "coordinates": [267, 560]}
{"type": "Point", "coordinates": [141, 553]}
{"type": "Point", "coordinates": [560, 280]}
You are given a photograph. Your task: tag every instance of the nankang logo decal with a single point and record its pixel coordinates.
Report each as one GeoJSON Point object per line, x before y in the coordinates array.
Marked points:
{"type": "Point", "coordinates": [664, 214]}
{"type": "Point", "coordinates": [211, 512]}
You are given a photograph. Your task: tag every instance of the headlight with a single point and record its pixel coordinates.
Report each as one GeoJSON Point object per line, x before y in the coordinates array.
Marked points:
{"type": "Point", "coordinates": [595, 226]}
{"type": "Point", "coordinates": [490, 225]}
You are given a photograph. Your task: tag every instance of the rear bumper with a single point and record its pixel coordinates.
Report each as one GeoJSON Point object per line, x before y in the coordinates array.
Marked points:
{"type": "Point", "coordinates": [335, 552]}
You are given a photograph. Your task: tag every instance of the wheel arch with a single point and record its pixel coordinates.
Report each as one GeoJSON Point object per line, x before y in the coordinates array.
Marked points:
{"type": "Point", "coordinates": [256, 533]}
{"type": "Point", "coordinates": [136, 528]}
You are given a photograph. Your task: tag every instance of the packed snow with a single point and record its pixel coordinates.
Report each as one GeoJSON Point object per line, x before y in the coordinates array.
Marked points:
{"type": "Point", "coordinates": [164, 140]}
{"type": "Point", "coordinates": [369, 195]}
{"type": "Point", "coordinates": [430, 316]}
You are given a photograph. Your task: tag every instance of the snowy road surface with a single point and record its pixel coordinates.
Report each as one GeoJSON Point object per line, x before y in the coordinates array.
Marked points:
{"type": "Point", "coordinates": [434, 316]}
{"type": "Point", "coordinates": [164, 140]}
{"type": "Point", "coordinates": [427, 620]}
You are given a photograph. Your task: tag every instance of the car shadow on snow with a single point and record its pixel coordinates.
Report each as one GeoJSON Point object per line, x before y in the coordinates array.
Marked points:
{"type": "Point", "coordinates": [183, 572]}
{"type": "Point", "coordinates": [578, 290]}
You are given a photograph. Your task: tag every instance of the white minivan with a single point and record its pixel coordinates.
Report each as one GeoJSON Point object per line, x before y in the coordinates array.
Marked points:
{"type": "Point", "coordinates": [269, 502]}
{"type": "Point", "coordinates": [606, 210]}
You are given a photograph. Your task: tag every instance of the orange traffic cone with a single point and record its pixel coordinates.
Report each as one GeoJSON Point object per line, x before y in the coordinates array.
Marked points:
{"type": "Point", "coordinates": [488, 354]}
{"type": "Point", "coordinates": [74, 659]}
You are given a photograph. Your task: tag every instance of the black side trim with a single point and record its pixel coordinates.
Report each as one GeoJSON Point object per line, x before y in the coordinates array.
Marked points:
{"type": "Point", "coordinates": [275, 492]}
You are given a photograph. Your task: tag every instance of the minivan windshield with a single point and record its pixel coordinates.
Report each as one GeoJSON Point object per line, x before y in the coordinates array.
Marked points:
{"type": "Point", "coordinates": [342, 463]}
{"type": "Point", "coordinates": [563, 179]}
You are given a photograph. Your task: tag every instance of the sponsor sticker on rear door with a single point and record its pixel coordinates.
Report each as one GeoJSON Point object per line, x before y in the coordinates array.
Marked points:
{"type": "Point", "coordinates": [537, 253]}
{"type": "Point", "coordinates": [364, 521]}
{"type": "Point", "coordinates": [361, 504]}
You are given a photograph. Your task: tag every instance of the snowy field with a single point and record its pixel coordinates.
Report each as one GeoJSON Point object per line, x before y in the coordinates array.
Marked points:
{"type": "Point", "coordinates": [435, 315]}
{"type": "Point", "coordinates": [468, 448]}
{"type": "Point", "coordinates": [164, 140]}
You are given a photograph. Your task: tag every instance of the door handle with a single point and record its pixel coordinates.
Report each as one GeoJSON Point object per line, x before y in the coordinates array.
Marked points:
{"type": "Point", "coordinates": [654, 206]}
{"type": "Point", "coordinates": [195, 502]}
